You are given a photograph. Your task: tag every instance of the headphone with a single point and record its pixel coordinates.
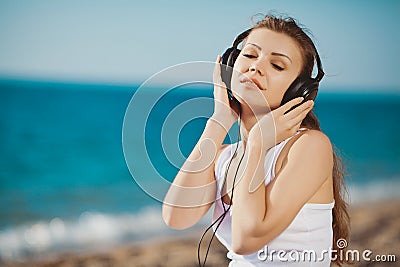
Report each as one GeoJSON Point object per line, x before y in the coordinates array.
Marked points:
{"type": "Point", "coordinates": [302, 86]}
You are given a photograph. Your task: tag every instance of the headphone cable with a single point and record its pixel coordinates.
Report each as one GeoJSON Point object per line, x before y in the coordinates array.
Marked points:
{"type": "Point", "coordinates": [222, 216]}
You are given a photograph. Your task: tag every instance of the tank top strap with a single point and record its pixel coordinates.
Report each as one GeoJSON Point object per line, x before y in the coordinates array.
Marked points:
{"type": "Point", "coordinates": [272, 157]}
{"type": "Point", "coordinates": [269, 162]}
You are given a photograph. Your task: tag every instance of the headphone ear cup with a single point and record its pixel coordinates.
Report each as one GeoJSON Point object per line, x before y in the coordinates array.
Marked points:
{"type": "Point", "coordinates": [228, 61]}
{"type": "Point", "coordinates": [307, 88]}
{"type": "Point", "coordinates": [291, 91]}
{"type": "Point", "coordinates": [310, 91]}
{"type": "Point", "coordinates": [224, 65]}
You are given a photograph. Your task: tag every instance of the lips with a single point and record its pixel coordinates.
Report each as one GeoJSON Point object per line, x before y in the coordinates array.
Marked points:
{"type": "Point", "coordinates": [251, 82]}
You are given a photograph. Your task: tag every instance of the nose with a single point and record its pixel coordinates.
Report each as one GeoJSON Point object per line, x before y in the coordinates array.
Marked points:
{"type": "Point", "coordinates": [256, 68]}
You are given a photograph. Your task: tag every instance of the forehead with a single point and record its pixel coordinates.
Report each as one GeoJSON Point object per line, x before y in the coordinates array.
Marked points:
{"type": "Point", "coordinates": [271, 41]}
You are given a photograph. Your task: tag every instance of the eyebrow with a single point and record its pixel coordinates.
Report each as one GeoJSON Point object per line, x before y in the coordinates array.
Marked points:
{"type": "Point", "coordinates": [273, 53]}
{"type": "Point", "coordinates": [282, 55]}
{"type": "Point", "coordinates": [257, 46]}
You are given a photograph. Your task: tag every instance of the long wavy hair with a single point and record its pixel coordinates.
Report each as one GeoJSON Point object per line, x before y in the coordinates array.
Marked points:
{"type": "Point", "coordinates": [341, 218]}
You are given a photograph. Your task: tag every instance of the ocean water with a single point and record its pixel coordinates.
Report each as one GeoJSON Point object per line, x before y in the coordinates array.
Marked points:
{"type": "Point", "coordinates": [65, 184]}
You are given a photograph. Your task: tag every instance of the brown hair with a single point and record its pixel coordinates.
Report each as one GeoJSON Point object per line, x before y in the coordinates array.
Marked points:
{"type": "Point", "coordinates": [341, 218]}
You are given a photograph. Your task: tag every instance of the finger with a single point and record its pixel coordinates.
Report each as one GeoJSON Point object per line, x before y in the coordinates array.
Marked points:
{"type": "Point", "coordinates": [287, 106]}
{"type": "Point", "coordinates": [300, 116]}
{"type": "Point", "coordinates": [296, 127]}
{"type": "Point", "coordinates": [217, 68]}
{"type": "Point", "coordinates": [299, 110]}
{"type": "Point", "coordinates": [217, 72]}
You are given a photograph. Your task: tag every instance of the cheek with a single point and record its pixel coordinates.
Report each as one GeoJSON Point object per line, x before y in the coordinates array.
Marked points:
{"type": "Point", "coordinates": [275, 95]}
{"type": "Point", "coordinates": [237, 71]}
{"type": "Point", "coordinates": [241, 65]}
{"type": "Point", "coordinates": [235, 77]}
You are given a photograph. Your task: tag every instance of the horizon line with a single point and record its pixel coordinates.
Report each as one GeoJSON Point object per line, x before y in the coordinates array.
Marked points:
{"type": "Point", "coordinates": [342, 89]}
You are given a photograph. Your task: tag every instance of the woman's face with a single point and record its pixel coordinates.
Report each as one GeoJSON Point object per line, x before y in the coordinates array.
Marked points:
{"type": "Point", "coordinates": [268, 63]}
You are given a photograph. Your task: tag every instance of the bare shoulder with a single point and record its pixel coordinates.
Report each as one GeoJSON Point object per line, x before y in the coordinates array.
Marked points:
{"type": "Point", "coordinates": [315, 137]}
{"type": "Point", "coordinates": [310, 145]}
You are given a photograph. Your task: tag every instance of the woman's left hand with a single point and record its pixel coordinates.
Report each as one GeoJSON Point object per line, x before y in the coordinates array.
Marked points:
{"type": "Point", "coordinates": [276, 126]}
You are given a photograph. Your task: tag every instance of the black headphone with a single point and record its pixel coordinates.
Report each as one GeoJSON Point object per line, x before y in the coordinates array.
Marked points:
{"type": "Point", "coordinates": [302, 86]}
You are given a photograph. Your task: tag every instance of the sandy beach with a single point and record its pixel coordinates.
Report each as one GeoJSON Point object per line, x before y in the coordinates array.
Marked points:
{"type": "Point", "coordinates": [375, 226]}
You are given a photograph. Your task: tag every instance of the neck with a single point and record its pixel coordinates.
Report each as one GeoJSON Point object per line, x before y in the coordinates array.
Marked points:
{"type": "Point", "coordinates": [247, 120]}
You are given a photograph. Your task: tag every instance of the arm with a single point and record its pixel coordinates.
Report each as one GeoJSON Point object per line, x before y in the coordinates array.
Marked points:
{"type": "Point", "coordinates": [194, 188]}
{"type": "Point", "coordinates": [269, 210]}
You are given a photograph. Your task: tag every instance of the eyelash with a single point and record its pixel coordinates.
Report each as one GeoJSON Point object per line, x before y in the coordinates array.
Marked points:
{"type": "Point", "coordinates": [249, 56]}
{"type": "Point", "coordinates": [277, 67]}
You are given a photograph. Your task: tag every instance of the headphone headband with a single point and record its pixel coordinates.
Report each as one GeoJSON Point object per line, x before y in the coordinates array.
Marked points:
{"type": "Point", "coordinates": [321, 72]}
{"type": "Point", "coordinates": [241, 37]}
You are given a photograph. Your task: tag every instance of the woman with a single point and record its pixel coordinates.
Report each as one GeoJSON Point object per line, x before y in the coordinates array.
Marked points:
{"type": "Point", "coordinates": [287, 182]}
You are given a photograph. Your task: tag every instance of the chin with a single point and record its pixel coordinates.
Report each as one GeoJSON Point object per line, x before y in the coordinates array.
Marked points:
{"type": "Point", "coordinates": [275, 106]}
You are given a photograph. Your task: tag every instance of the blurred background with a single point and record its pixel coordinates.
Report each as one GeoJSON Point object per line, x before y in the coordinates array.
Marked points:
{"type": "Point", "coordinates": [68, 70]}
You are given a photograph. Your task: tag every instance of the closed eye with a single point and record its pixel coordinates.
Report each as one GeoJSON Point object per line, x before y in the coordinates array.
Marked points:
{"type": "Point", "coordinates": [249, 56]}
{"type": "Point", "coordinates": [277, 67]}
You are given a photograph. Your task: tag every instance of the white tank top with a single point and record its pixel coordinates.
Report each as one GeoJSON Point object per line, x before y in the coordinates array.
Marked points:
{"type": "Point", "coordinates": [311, 229]}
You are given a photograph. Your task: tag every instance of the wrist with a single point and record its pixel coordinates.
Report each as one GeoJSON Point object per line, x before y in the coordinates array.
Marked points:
{"type": "Point", "coordinates": [221, 121]}
{"type": "Point", "coordinates": [256, 143]}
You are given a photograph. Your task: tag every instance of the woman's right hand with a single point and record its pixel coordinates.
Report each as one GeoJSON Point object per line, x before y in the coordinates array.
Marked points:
{"type": "Point", "coordinates": [226, 111]}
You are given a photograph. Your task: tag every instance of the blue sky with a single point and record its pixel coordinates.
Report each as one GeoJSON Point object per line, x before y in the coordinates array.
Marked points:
{"type": "Point", "coordinates": [125, 42]}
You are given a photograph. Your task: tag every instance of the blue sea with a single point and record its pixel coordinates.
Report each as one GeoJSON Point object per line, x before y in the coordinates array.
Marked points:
{"type": "Point", "coordinates": [65, 183]}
